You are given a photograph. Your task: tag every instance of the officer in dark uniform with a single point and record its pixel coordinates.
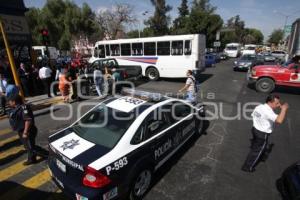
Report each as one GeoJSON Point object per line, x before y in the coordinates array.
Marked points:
{"type": "Point", "coordinates": [22, 120]}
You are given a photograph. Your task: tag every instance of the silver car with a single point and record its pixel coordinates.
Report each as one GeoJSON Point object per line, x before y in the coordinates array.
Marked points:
{"type": "Point", "coordinates": [280, 55]}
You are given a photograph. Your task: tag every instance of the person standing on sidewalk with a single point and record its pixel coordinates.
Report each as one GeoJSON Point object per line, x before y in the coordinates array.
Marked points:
{"type": "Point", "coordinates": [45, 76]}
{"type": "Point", "coordinates": [189, 87]}
{"type": "Point", "coordinates": [264, 118]}
{"type": "Point", "coordinates": [21, 120]}
{"type": "Point", "coordinates": [24, 75]}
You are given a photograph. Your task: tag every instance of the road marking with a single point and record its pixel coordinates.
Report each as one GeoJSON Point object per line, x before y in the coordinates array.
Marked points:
{"type": "Point", "coordinates": [32, 183]}
{"type": "Point", "coordinates": [12, 170]}
{"type": "Point", "coordinates": [5, 131]}
{"type": "Point", "coordinates": [11, 152]}
{"type": "Point", "coordinates": [8, 140]}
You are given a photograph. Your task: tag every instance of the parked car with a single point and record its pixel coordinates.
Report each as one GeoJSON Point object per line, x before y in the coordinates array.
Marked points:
{"type": "Point", "coordinates": [223, 56]}
{"type": "Point", "coordinates": [266, 77]}
{"type": "Point", "coordinates": [280, 55]}
{"type": "Point", "coordinates": [268, 57]}
{"type": "Point", "coordinates": [210, 60]}
{"type": "Point", "coordinates": [246, 62]}
{"type": "Point", "coordinates": [289, 183]}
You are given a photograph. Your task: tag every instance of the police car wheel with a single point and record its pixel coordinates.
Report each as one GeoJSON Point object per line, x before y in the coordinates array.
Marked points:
{"type": "Point", "coordinates": [265, 85]}
{"type": "Point", "coordinates": [141, 184]}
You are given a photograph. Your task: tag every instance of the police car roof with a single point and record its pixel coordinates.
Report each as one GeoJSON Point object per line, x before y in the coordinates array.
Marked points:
{"type": "Point", "coordinates": [133, 100]}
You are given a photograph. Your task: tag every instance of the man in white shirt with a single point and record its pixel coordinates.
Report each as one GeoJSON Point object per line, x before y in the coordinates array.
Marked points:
{"type": "Point", "coordinates": [45, 76]}
{"type": "Point", "coordinates": [190, 87]}
{"type": "Point", "coordinates": [264, 119]}
{"type": "Point", "coordinates": [98, 80]}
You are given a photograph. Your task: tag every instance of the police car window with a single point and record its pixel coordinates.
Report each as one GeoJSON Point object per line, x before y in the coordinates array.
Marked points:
{"type": "Point", "coordinates": [156, 122]}
{"type": "Point", "coordinates": [104, 126]}
{"type": "Point", "coordinates": [180, 110]}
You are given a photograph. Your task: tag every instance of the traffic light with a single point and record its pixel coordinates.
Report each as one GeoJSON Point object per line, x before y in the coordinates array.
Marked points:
{"type": "Point", "coordinates": [45, 36]}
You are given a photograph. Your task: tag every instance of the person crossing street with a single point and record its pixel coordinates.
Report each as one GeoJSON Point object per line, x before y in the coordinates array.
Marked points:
{"type": "Point", "coordinates": [264, 119]}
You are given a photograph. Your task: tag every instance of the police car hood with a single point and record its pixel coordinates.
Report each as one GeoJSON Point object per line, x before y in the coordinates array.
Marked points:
{"type": "Point", "coordinates": [68, 144]}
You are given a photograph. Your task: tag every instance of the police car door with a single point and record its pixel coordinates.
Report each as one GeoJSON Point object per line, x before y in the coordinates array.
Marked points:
{"type": "Point", "coordinates": [156, 131]}
{"type": "Point", "coordinates": [184, 120]}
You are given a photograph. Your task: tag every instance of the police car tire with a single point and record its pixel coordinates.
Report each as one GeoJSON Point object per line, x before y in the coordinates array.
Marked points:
{"type": "Point", "coordinates": [152, 73]}
{"type": "Point", "coordinates": [260, 87]}
{"type": "Point", "coordinates": [132, 193]}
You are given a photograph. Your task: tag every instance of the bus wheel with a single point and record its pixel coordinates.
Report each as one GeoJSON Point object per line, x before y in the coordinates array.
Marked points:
{"type": "Point", "coordinates": [153, 74]}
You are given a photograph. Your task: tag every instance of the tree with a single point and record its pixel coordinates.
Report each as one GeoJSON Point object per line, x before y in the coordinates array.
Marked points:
{"type": "Point", "coordinates": [203, 20]}
{"type": "Point", "coordinates": [159, 21]}
{"type": "Point", "coordinates": [113, 21]}
{"type": "Point", "coordinates": [179, 24]}
{"type": "Point", "coordinates": [276, 36]}
{"type": "Point", "coordinates": [65, 22]}
{"type": "Point", "coordinates": [253, 36]}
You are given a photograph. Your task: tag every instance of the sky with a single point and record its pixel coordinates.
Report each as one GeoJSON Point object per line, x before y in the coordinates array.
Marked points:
{"type": "Point", "coordinates": [265, 15]}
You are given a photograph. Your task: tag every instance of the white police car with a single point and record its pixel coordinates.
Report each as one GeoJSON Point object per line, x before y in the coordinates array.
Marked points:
{"type": "Point", "coordinates": [114, 149]}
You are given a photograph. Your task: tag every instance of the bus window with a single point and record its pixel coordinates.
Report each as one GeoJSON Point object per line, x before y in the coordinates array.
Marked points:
{"type": "Point", "coordinates": [163, 48]}
{"type": "Point", "coordinates": [101, 51]}
{"type": "Point", "coordinates": [107, 50]}
{"type": "Point", "coordinates": [115, 49]}
{"type": "Point", "coordinates": [177, 48]}
{"type": "Point", "coordinates": [125, 49]}
{"type": "Point", "coordinates": [137, 49]}
{"type": "Point", "coordinates": [187, 47]}
{"type": "Point", "coordinates": [149, 49]}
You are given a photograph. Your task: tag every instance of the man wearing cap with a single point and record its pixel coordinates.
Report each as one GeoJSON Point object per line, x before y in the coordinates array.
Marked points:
{"type": "Point", "coordinates": [21, 120]}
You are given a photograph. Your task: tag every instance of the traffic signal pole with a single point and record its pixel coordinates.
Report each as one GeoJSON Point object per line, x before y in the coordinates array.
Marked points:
{"type": "Point", "coordinates": [11, 60]}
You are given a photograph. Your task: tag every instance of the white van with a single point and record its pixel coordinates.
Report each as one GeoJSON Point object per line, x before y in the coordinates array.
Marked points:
{"type": "Point", "coordinates": [233, 50]}
{"type": "Point", "coordinates": [41, 52]}
{"type": "Point", "coordinates": [249, 49]}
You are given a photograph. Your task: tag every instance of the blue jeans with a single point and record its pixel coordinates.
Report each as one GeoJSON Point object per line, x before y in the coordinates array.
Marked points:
{"type": "Point", "coordinates": [98, 85]}
{"type": "Point", "coordinates": [190, 97]}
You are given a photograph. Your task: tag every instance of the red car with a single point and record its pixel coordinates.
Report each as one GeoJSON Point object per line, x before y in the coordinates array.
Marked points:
{"type": "Point", "coordinates": [266, 77]}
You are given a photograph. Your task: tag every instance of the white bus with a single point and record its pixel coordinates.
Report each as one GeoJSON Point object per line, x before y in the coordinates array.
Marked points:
{"type": "Point", "coordinates": [165, 56]}
{"type": "Point", "coordinates": [233, 50]}
{"type": "Point", "coordinates": [249, 49]}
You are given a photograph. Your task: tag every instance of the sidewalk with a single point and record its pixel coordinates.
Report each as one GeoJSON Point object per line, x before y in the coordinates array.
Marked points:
{"type": "Point", "coordinates": [40, 102]}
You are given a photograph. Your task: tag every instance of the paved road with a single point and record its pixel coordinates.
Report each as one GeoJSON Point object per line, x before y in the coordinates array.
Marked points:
{"type": "Point", "coordinates": [206, 168]}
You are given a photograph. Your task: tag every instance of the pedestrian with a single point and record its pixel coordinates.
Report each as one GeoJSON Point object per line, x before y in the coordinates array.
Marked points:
{"type": "Point", "coordinates": [3, 85]}
{"type": "Point", "coordinates": [98, 80]}
{"type": "Point", "coordinates": [21, 120]}
{"type": "Point", "coordinates": [264, 118]}
{"type": "Point", "coordinates": [24, 76]}
{"type": "Point", "coordinates": [189, 87]}
{"type": "Point", "coordinates": [64, 85]}
{"type": "Point", "coordinates": [45, 76]}
{"type": "Point", "coordinates": [116, 76]}
{"type": "Point", "coordinates": [11, 89]}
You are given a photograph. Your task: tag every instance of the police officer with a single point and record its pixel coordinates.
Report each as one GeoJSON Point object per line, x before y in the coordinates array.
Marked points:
{"type": "Point", "coordinates": [22, 120]}
{"type": "Point", "coordinates": [264, 118]}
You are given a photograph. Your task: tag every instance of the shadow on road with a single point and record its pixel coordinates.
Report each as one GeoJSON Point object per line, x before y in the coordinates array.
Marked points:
{"type": "Point", "coordinates": [7, 188]}
{"type": "Point", "coordinates": [165, 168]}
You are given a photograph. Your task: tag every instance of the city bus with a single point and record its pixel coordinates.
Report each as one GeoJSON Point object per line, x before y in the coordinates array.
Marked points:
{"type": "Point", "coordinates": [165, 56]}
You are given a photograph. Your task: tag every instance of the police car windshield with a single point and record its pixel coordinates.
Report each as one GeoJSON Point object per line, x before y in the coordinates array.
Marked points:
{"type": "Point", "coordinates": [104, 125]}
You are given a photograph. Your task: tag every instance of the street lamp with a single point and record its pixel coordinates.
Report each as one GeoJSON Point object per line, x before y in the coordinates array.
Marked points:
{"type": "Point", "coordinates": [286, 16]}
{"type": "Point", "coordinates": [144, 14]}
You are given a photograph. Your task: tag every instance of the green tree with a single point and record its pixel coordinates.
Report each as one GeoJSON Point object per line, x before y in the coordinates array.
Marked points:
{"type": "Point", "coordinates": [203, 20]}
{"type": "Point", "coordinates": [65, 22]}
{"type": "Point", "coordinates": [159, 22]}
{"type": "Point", "coordinates": [276, 36]}
{"type": "Point", "coordinates": [179, 24]}
{"type": "Point", "coordinates": [253, 36]}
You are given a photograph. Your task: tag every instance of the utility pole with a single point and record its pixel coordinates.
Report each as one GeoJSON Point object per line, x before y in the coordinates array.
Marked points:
{"type": "Point", "coordinates": [11, 59]}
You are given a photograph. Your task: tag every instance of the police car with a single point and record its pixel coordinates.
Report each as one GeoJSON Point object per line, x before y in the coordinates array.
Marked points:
{"type": "Point", "coordinates": [114, 149]}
